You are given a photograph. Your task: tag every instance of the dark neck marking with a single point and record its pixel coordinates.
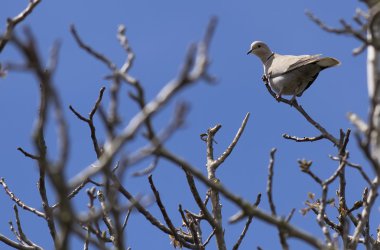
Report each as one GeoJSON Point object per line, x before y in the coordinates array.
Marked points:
{"type": "Point", "coordinates": [269, 57]}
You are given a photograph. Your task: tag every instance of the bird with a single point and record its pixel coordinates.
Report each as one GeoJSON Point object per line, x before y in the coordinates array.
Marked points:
{"type": "Point", "coordinates": [288, 74]}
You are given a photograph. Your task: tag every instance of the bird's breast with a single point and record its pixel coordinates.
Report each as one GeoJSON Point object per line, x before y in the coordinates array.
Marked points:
{"type": "Point", "coordinates": [282, 84]}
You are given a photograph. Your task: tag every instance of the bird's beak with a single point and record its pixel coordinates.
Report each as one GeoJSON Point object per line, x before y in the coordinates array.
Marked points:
{"type": "Point", "coordinates": [249, 52]}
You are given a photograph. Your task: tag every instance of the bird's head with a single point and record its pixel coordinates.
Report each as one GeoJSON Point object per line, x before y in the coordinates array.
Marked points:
{"type": "Point", "coordinates": [260, 49]}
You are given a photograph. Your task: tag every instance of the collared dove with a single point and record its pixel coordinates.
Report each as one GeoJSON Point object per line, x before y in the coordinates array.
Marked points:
{"type": "Point", "coordinates": [287, 74]}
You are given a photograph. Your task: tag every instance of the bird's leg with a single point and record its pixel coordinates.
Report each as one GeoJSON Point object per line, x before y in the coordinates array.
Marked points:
{"type": "Point", "coordinates": [278, 96]}
{"type": "Point", "coordinates": [265, 79]}
{"type": "Point", "coordinates": [293, 100]}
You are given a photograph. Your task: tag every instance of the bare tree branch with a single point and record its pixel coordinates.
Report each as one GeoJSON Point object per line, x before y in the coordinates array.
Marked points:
{"type": "Point", "coordinates": [145, 212]}
{"type": "Point", "coordinates": [300, 109]}
{"type": "Point", "coordinates": [19, 202]}
{"type": "Point", "coordinates": [166, 216]}
{"type": "Point", "coordinates": [52, 170]}
{"type": "Point", "coordinates": [15, 244]}
{"type": "Point", "coordinates": [21, 232]}
{"type": "Point", "coordinates": [190, 74]}
{"type": "Point", "coordinates": [229, 149]}
{"type": "Point", "coordinates": [247, 208]}
{"type": "Point", "coordinates": [91, 51]}
{"type": "Point", "coordinates": [270, 182]}
{"type": "Point", "coordinates": [281, 233]}
{"type": "Point", "coordinates": [13, 22]}
{"type": "Point", "coordinates": [34, 157]}
{"type": "Point", "coordinates": [303, 139]}
{"type": "Point", "coordinates": [198, 200]}
{"type": "Point", "coordinates": [368, 203]}
{"type": "Point", "coordinates": [245, 229]}
{"type": "Point", "coordinates": [345, 30]}
{"type": "Point", "coordinates": [90, 122]}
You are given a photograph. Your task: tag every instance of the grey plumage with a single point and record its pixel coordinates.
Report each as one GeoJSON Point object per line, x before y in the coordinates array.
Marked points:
{"type": "Point", "coordinates": [288, 74]}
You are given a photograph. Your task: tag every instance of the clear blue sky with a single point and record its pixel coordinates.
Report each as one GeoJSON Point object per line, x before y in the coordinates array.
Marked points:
{"type": "Point", "coordinates": [159, 33]}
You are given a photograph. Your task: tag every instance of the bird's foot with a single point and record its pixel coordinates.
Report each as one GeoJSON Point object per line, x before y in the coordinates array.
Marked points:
{"type": "Point", "coordinates": [278, 97]}
{"type": "Point", "coordinates": [264, 78]}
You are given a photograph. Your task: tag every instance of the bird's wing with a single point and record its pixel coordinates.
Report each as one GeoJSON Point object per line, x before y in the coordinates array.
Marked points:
{"type": "Point", "coordinates": [282, 64]}
{"type": "Point", "coordinates": [303, 60]}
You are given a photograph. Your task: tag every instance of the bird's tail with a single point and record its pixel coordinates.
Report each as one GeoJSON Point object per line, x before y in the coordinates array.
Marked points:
{"type": "Point", "coordinates": [327, 62]}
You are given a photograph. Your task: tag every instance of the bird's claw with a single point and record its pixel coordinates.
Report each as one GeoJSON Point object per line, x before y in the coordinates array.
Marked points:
{"type": "Point", "coordinates": [264, 78]}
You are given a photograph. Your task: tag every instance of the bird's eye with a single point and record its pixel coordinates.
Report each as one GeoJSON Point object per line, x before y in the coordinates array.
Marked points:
{"type": "Point", "coordinates": [259, 46]}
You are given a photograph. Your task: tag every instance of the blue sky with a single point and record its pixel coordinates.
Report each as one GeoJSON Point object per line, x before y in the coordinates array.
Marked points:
{"type": "Point", "coordinates": [159, 33]}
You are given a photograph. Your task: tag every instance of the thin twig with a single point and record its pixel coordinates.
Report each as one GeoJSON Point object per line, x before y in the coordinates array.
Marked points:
{"type": "Point", "coordinates": [13, 230]}
{"type": "Point", "coordinates": [127, 218]}
{"type": "Point", "coordinates": [76, 191]}
{"type": "Point", "coordinates": [192, 224]}
{"type": "Point", "coordinates": [270, 182]}
{"type": "Point", "coordinates": [105, 216]}
{"type": "Point", "coordinates": [355, 166]}
{"type": "Point", "coordinates": [91, 51]}
{"type": "Point", "coordinates": [303, 139]}
{"type": "Point", "coordinates": [241, 237]}
{"type": "Point", "coordinates": [229, 149]}
{"type": "Point", "coordinates": [209, 238]}
{"type": "Point", "coordinates": [246, 226]}
{"type": "Point", "coordinates": [147, 170]}
{"type": "Point", "coordinates": [330, 223]}
{"type": "Point", "coordinates": [34, 157]}
{"type": "Point", "coordinates": [21, 232]}
{"type": "Point", "coordinates": [19, 202]}
{"type": "Point", "coordinates": [166, 216]}
{"type": "Point", "coordinates": [290, 215]}
{"type": "Point", "coordinates": [281, 233]}
{"type": "Point", "coordinates": [198, 199]}
{"type": "Point", "coordinates": [90, 121]}
{"type": "Point", "coordinates": [305, 167]}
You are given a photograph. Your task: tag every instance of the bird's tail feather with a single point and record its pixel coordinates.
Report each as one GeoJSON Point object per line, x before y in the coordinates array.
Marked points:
{"type": "Point", "coordinates": [327, 62]}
